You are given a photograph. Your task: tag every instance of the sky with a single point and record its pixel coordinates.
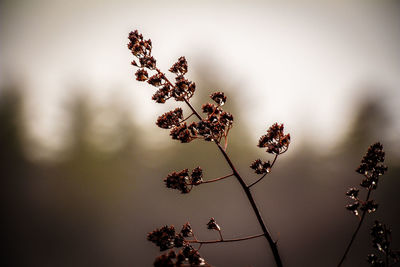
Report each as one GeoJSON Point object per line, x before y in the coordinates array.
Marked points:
{"type": "Point", "coordinates": [305, 63]}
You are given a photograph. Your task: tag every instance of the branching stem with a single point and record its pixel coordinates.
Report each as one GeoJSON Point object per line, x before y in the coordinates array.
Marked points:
{"type": "Point", "coordinates": [260, 220]}
{"type": "Point", "coordinates": [262, 177]}
{"type": "Point", "coordinates": [225, 240]}
{"type": "Point", "coordinates": [187, 117]}
{"type": "Point", "coordinates": [217, 179]}
{"type": "Point", "coordinates": [356, 231]}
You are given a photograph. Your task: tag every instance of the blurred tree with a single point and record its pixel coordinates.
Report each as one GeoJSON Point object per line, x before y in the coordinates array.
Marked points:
{"type": "Point", "coordinates": [370, 124]}
{"type": "Point", "coordinates": [15, 170]}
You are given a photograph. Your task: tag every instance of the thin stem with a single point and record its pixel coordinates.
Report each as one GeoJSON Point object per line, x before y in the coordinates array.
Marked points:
{"type": "Point", "coordinates": [259, 179]}
{"type": "Point", "coordinates": [220, 235]}
{"type": "Point", "coordinates": [262, 177]}
{"type": "Point", "coordinates": [192, 108]}
{"type": "Point", "coordinates": [357, 229]}
{"type": "Point", "coordinates": [217, 179]}
{"type": "Point", "coordinates": [187, 117]}
{"type": "Point", "coordinates": [387, 248]}
{"type": "Point", "coordinates": [267, 235]}
{"type": "Point", "coordinates": [225, 240]}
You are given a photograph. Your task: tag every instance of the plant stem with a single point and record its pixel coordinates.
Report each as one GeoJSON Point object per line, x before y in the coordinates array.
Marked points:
{"type": "Point", "coordinates": [273, 162]}
{"type": "Point", "coordinates": [225, 240]}
{"type": "Point", "coordinates": [267, 235]}
{"type": "Point", "coordinates": [356, 231]}
{"type": "Point", "coordinates": [217, 179]}
{"type": "Point", "coordinates": [187, 117]}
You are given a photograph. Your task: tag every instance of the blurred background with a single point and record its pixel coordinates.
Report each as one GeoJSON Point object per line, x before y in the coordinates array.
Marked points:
{"type": "Point", "coordinates": [82, 162]}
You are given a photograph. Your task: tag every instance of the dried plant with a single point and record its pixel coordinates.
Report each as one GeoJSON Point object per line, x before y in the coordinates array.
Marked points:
{"type": "Point", "coordinates": [213, 126]}
{"type": "Point", "coordinates": [381, 240]}
{"type": "Point", "coordinates": [371, 168]}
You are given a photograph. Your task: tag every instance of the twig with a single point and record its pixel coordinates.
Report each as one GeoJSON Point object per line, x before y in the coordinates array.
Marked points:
{"type": "Point", "coordinates": [225, 240]}
{"type": "Point", "coordinates": [272, 164]}
{"type": "Point", "coordinates": [356, 231]}
{"type": "Point", "coordinates": [217, 179]}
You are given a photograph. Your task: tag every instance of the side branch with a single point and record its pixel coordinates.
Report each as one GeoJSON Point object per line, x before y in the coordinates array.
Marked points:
{"type": "Point", "coordinates": [224, 240]}
{"type": "Point", "coordinates": [262, 177]}
{"type": "Point", "coordinates": [267, 235]}
{"type": "Point", "coordinates": [356, 231]}
{"type": "Point", "coordinates": [217, 179]}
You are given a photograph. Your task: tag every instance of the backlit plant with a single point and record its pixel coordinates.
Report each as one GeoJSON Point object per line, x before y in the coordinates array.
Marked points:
{"type": "Point", "coordinates": [213, 124]}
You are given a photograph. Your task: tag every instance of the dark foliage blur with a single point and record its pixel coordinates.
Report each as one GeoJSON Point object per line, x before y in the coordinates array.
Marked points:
{"type": "Point", "coordinates": [92, 206]}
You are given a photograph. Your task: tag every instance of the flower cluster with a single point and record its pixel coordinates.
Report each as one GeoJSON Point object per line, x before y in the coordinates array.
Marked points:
{"type": "Point", "coordinates": [212, 225]}
{"type": "Point", "coordinates": [215, 127]}
{"type": "Point", "coordinates": [218, 122]}
{"type": "Point", "coordinates": [187, 230]}
{"type": "Point", "coordinates": [187, 256]}
{"type": "Point", "coordinates": [381, 239]}
{"type": "Point", "coordinates": [275, 140]}
{"type": "Point", "coordinates": [261, 167]}
{"type": "Point", "coordinates": [371, 168]}
{"type": "Point", "coordinates": [219, 98]}
{"type": "Point", "coordinates": [170, 119]}
{"type": "Point", "coordinates": [184, 182]}
{"type": "Point", "coordinates": [141, 49]}
{"type": "Point", "coordinates": [368, 205]}
{"type": "Point", "coordinates": [180, 67]}
{"type": "Point", "coordinates": [181, 90]}
{"type": "Point", "coordinates": [167, 238]}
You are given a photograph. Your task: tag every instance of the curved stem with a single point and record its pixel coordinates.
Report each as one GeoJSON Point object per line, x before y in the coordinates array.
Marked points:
{"type": "Point", "coordinates": [259, 179]}
{"type": "Point", "coordinates": [387, 248]}
{"type": "Point", "coordinates": [260, 220]}
{"type": "Point", "coordinates": [262, 177]}
{"type": "Point", "coordinates": [220, 235]}
{"type": "Point", "coordinates": [187, 117]}
{"type": "Point", "coordinates": [216, 179]}
{"type": "Point", "coordinates": [267, 235]}
{"type": "Point", "coordinates": [225, 240]}
{"type": "Point", "coordinates": [356, 231]}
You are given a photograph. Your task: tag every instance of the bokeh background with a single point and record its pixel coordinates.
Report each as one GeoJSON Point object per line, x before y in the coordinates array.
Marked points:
{"type": "Point", "coordinates": [82, 162]}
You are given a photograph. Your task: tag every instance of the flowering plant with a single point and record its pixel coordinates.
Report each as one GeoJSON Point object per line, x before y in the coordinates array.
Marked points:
{"type": "Point", "coordinates": [213, 124]}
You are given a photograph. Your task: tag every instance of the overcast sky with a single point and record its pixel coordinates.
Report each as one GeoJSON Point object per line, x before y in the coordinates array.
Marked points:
{"type": "Point", "coordinates": [302, 64]}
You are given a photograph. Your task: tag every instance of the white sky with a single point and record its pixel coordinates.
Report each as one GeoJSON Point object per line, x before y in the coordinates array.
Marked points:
{"type": "Point", "coordinates": [302, 64]}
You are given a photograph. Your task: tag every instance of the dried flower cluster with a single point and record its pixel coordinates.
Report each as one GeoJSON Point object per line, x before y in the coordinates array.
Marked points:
{"type": "Point", "coordinates": [170, 119]}
{"type": "Point", "coordinates": [184, 182]}
{"type": "Point", "coordinates": [371, 168]}
{"type": "Point", "coordinates": [187, 256]}
{"type": "Point", "coordinates": [261, 167]}
{"type": "Point", "coordinates": [381, 240]}
{"type": "Point", "coordinates": [276, 143]}
{"type": "Point", "coordinates": [167, 238]}
{"type": "Point", "coordinates": [212, 225]}
{"type": "Point", "coordinates": [213, 127]}
{"type": "Point", "coordinates": [275, 140]}
{"type": "Point", "coordinates": [181, 90]}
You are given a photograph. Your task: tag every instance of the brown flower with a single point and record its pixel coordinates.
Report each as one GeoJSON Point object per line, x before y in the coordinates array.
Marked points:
{"type": "Point", "coordinates": [219, 98]}
{"type": "Point", "coordinates": [170, 119]}
{"type": "Point", "coordinates": [180, 67]}
{"type": "Point", "coordinates": [141, 75]}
